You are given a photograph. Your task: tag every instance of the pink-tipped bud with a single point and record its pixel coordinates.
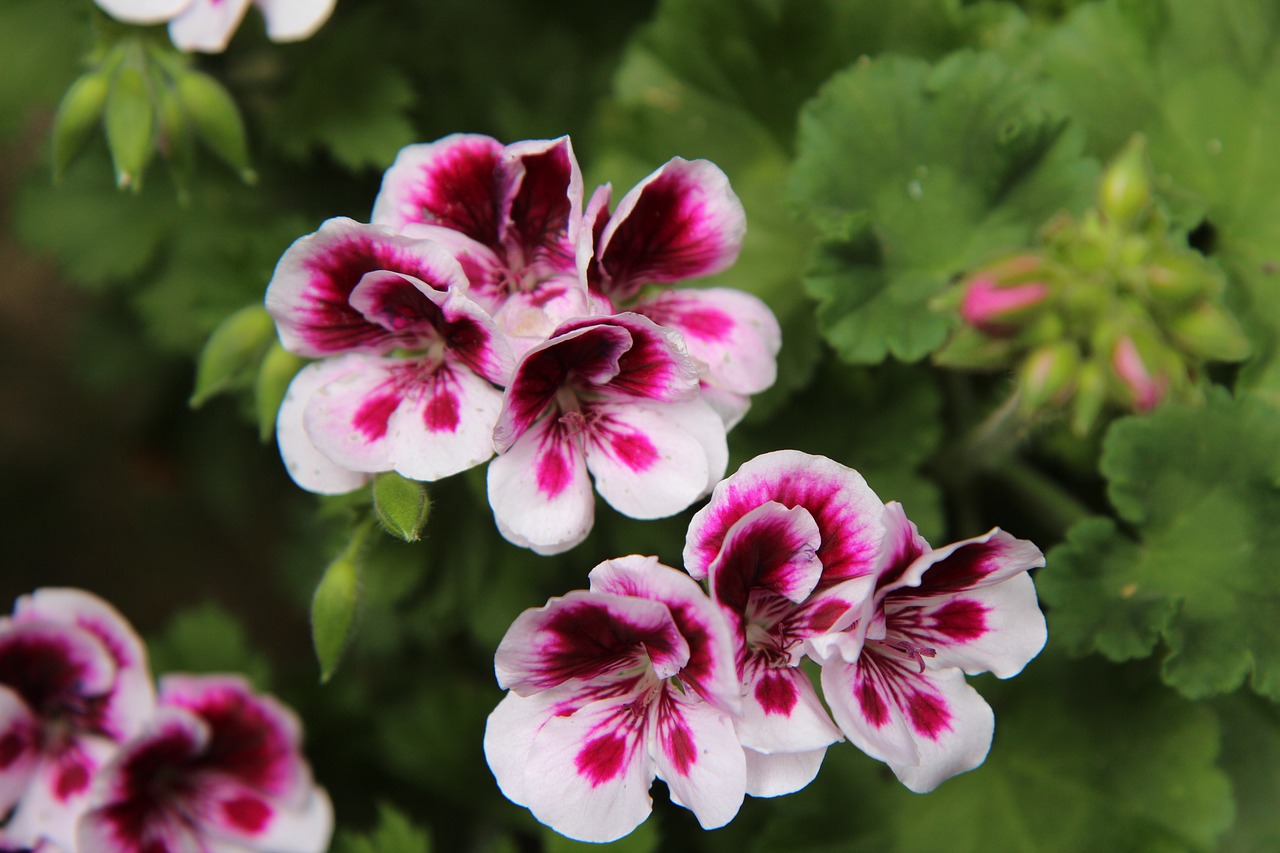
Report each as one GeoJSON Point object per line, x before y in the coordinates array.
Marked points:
{"type": "Point", "coordinates": [1146, 387]}
{"type": "Point", "coordinates": [995, 308]}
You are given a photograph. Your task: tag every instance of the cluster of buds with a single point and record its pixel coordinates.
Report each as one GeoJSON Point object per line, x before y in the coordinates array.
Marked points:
{"type": "Point", "coordinates": [1112, 310]}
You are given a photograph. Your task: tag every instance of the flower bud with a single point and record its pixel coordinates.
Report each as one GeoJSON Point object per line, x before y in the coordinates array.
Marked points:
{"type": "Point", "coordinates": [1175, 278]}
{"type": "Point", "coordinates": [333, 611]}
{"type": "Point", "coordinates": [78, 114]}
{"type": "Point", "coordinates": [1090, 397]}
{"type": "Point", "coordinates": [969, 349]}
{"type": "Point", "coordinates": [217, 119]}
{"type": "Point", "coordinates": [1048, 375]}
{"type": "Point", "coordinates": [997, 309]}
{"type": "Point", "coordinates": [130, 121]}
{"type": "Point", "coordinates": [401, 505]}
{"type": "Point", "coordinates": [1209, 332]}
{"type": "Point", "coordinates": [232, 353]}
{"type": "Point", "coordinates": [1125, 193]}
{"type": "Point", "coordinates": [1143, 384]}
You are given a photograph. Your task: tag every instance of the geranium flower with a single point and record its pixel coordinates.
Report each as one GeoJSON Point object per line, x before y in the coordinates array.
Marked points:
{"type": "Point", "coordinates": [895, 680]}
{"type": "Point", "coordinates": [217, 768]}
{"type": "Point", "coordinates": [207, 25]}
{"type": "Point", "coordinates": [609, 688]}
{"type": "Point", "coordinates": [74, 684]}
{"type": "Point", "coordinates": [684, 221]}
{"type": "Point", "coordinates": [789, 545]}
{"type": "Point", "coordinates": [616, 396]}
{"type": "Point", "coordinates": [408, 359]}
{"type": "Point", "coordinates": [512, 214]}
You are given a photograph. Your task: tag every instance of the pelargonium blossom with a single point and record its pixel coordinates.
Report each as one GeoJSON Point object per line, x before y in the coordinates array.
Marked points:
{"type": "Point", "coordinates": [207, 25]}
{"type": "Point", "coordinates": [895, 679]}
{"type": "Point", "coordinates": [512, 214]}
{"type": "Point", "coordinates": [610, 687]}
{"type": "Point", "coordinates": [789, 545]}
{"type": "Point", "coordinates": [408, 360]}
{"type": "Point", "coordinates": [684, 221]}
{"type": "Point", "coordinates": [74, 684]}
{"type": "Point", "coordinates": [218, 767]}
{"type": "Point", "coordinates": [617, 396]}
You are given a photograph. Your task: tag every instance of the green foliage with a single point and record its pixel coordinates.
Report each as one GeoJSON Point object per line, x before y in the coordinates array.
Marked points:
{"type": "Point", "coordinates": [394, 833]}
{"type": "Point", "coordinates": [915, 173]}
{"type": "Point", "coordinates": [207, 638]}
{"type": "Point", "coordinates": [233, 352]}
{"type": "Point", "coordinates": [335, 603]}
{"type": "Point", "coordinates": [1199, 489]}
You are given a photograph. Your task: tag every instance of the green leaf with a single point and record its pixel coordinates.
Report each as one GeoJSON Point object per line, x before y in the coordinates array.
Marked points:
{"type": "Point", "coordinates": [1204, 86]}
{"type": "Point", "coordinates": [333, 607]}
{"type": "Point", "coordinates": [207, 639]}
{"type": "Point", "coordinates": [1251, 757]}
{"type": "Point", "coordinates": [393, 834]}
{"type": "Point", "coordinates": [78, 116]}
{"type": "Point", "coordinates": [915, 173]}
{"type": "Point", "coordinates": [217, 119]}
{"type": "Point", "coordinates": [233, 353]}
{"type": "Point", "coordinates": [1082, 760]}
{"type": "Point", "coordinates": [1198, 488]}
{"type": "Point", "coordinates": [401, 505]}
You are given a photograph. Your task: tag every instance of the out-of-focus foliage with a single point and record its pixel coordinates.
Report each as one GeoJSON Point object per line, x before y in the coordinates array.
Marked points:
{"type": "Point", "coordinates": [881, 150]}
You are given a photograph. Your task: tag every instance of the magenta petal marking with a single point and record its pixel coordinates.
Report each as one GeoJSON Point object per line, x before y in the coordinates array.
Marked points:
{"type": "Point", "coordinates": [602, 759]}
{"type": "Point", "coordinates": [675, 737]}
{"type": "Point", "coordinates": [694, 319]}
{"type": "Point", "coordinates": [633, 449]}
{"type": "Point", "coordinates": [873, 706]}
{"type": "Point", "coordinates": [541, 211]}
{"type": "Point", "coordinates": [248, 814]}
{"type": "Point", "coordinates": [72, 778]}
{"type": "Point", "coordinates": [451, 183]}
{"type": "Point", "coordinates": [441, 413]}
{"type": "Point", "coordinates": [12, 745]}
{"type": "Point", "coordinates": [776, 693]}
{"type": "Point", "coordinates": [586, 640]}
{"type": "Point", "coordinates": [928, 715]}
{"type": "Point", "coordinates": [372, 416]}
{"type": "Point", "coordinates": [555, 461]}
{"type": "Point", "coordinates": [961, 619]}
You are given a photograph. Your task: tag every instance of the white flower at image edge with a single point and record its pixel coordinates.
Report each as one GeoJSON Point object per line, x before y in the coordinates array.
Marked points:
{"type": "Point", "coordinates": [207, 25]}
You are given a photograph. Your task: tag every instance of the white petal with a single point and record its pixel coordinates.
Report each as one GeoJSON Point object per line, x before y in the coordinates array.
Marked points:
{"type": "Point", "coordinates": [539, 490]}
{"type": "Point", "coordinates": [308, 467]}
{"type": "Point", "coordinates": [781, 712]}
{"type": "Point", "coordinates": [645, 463]}
{"type": "Point", "coordinates": [142, 11]}
{"type": "Point", "coordinates": [293, 20]}
{"type": "Point", "coordinates": [997, 628]}
{"type": "Point", "coordinates": [698, 755]}
{"type": "Point", "coordinates": [207, 25]}
{"type": "Point", "coordinates": [18, 732]}
{"type": "Point", "coordinates": [781, 772]}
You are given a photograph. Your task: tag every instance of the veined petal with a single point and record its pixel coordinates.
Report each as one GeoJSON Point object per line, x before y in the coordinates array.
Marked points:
{"type": "Point", "coordinates": [348, 420]}
{"type": "Point", "coordinates": [19, 753]}
{"type": "Point", "coordinates": [486, 276]}
{"type": "Point", "coordinates": [132, 700]}
{"type": "Point", "coordinates": [731, 332]}
{"type": "Point", "coordinates": [307, 466]}
{"type": "Point", "coordinates": [657, 366]}
{"type": "Point", "coordinates": [142, 11]}
{"type": "Point", "coordinates": [594, 219]}
{"type": "Point", "coordinates": [294, 20]}
{"type": "Point", "coordinates": [59, 670]}
{"type": "Point", "coordinates": [541, 187]}
{"type": "Point", "coordinates": [207, 25]}
{"type": "Point", "coordinates": [539, 490]}
{"type": "Point", "coordinates": [241, 815]}
{"type": "Point", "coordinates": [587, 774]}
{"type": "Point", "coordinates": [697, 753]}
{"type": "Point", "coordinates": [645, 463]}
{"type": "Point", "coordinates": [781, 773]}
{"type": "Point", "coordinates": [446, 427]}
{"type": "Point", "coordinates": [770, 548]}
{"type": "Point", "coordinates": [588, 636]}
{"type": "Point", "coordinates": [452, 182]}
{"type": "Point", "coordinates": [711, 670]}
{"type": "Point", "coordinates": [682, 221]}
{"type": "Point", "coordinates": [981, 561]}
{"type": "Point", "coordinates": [309, 295]}
{"type": "Point", "coordinates": [849, 516]}
{"type": "Point", "coordinates": [532, 316]}
{"type": "Point", "coordinates": [995, 628]}
{"type": "Point", "coordinates": [927, 726]}
{"type": "Point", "coordinates": [60, 792]}
{"type": "Point", "coordinates": [781, 712]}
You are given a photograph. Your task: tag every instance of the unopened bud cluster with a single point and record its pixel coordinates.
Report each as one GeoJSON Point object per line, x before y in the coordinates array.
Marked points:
{"type": "Point", "coordinates": [1110, 311]}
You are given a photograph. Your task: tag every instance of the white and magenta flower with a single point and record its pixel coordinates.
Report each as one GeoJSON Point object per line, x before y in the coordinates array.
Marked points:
{"type": "Point", "coordinates": [512, 214]}
{"type": "Point", "coordinates": [217, 768]}
{"type": "Point", "coordinates": [74, 684]}
{"type": "Point", "coordinates": [408, 359]}
{"type": "Point", "coordinates": [895, 680]}
{"type": "Point", "coordinates": [207, 25]}
{"type": "Point", "coordinates": [789, 545]}
{"type": "Point", "coordinates": [682, 222]}
{"type": "Point", "coordinates": [617, 396]}
{"type": "Point", "coordinates": [611, 687]}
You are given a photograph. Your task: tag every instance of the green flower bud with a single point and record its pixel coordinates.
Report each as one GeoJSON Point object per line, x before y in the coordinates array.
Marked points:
{"type": "Point", "coordinates": [216, 117]}
{"type": "Point", "coordinates": [232, 353]}
{"type": "Point", "coordinates": [1048, 375]}
{"type": "Point", "coordinates": [174, 139]}
{"type": "Point", "coordinates": [1090, 397]}
{"type": "Point", "coordinates": [970, 349]}
{"type": "Point", "coordinates": [277, 370]}
{"type": "Point", "coordinates": [130, 125]}
{"type": "Point", "coordinates": [333, 612]}
{"type": "Point", "coordinates": [1125, 192]}
{"type": "Point", "coordinates": [78, 114]}
{"type": "Point", "coordinates": [401, 505]}
{"type": "Point", "coordinates": [1211, 333]}
{"type": "Point", "coordinates": [1176, 278]}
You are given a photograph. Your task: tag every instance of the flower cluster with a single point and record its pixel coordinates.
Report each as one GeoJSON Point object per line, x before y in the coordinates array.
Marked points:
{"type": "Point", "coordinates": [92, 759]}
{"type": "Point", "coordinates": [1111, 312]}
{"type": "Point", "coordinates": [646, 675]}
{"type": "Point", "coordinates": [207, 25]}
{"type": "Point", "coordinates": [486, 308]}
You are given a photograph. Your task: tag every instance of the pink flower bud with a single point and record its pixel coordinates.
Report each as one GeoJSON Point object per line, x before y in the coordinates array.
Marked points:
{"type": "Point", "coordinates": [992, 308]}
{"type": "Point", "coordinates": [1147, 389]}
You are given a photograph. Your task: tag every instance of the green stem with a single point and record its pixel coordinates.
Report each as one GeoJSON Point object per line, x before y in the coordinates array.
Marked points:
{"type": "Point", "coordinates": [1054, 506]}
